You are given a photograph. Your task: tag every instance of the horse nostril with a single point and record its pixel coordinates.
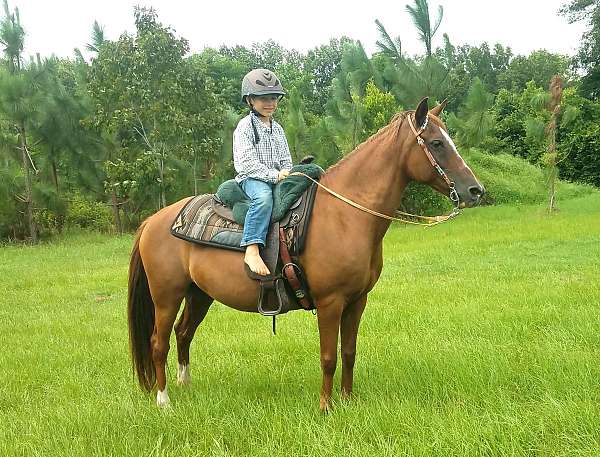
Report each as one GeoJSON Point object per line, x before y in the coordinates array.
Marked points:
{"type": "Point", "coordinates": [476, 191]}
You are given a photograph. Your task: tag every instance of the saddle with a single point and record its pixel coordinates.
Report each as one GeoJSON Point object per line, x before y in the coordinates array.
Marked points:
{"type": "Point", "coordinates": [206, 220]}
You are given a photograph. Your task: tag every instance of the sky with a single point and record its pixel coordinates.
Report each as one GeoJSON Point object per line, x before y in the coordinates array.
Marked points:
{"type": "Point", "coordinates": [58, 26]}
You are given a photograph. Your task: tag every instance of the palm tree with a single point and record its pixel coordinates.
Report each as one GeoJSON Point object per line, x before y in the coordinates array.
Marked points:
{"type": "Point", "coordinates": [419, 13]}
{"type": "Point", "coordinates": [390, 48]}
{"type": "Point", "coordinates": [412, 79]}
{"type": "Point", "coordinates": [98, 38]}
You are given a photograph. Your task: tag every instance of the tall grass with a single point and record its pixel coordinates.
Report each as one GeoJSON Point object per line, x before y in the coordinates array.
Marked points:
{"type": "Point", "coordinates": [480, 339]}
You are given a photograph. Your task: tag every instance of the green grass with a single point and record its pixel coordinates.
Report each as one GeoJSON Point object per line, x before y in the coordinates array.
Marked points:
{"type": "Point", "coordinates": [481, 338]}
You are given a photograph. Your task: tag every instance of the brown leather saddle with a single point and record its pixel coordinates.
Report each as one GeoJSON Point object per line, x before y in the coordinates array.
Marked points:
{"type": "Point", "coordinates": [205, 220]}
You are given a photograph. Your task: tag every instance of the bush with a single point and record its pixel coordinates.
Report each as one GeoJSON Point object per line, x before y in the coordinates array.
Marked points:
{"type": "Point", "coordinates": [423, 200]}
{"type": "Point", "coordinates": [89, 215]}
{"type": "Point", "coordinates": [507, 179]}
{"type": "Point", "coordinates": [512, 180]}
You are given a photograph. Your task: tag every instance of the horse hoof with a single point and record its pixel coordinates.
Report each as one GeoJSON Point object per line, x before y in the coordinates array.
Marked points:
{"type": "Point", "coordinates": [162, 399]}
{"type": "Point", "coordinates": [184, 377]}
{"type": "Point", "coordinates": [325, 406]}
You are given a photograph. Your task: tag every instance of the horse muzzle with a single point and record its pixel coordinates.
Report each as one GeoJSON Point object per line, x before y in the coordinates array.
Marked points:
{"type": "Point", "coordinates": [473, 196]}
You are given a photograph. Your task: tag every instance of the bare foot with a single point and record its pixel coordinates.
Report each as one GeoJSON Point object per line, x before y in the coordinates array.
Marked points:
{"type": "Point", "coordinates": [254, 261]}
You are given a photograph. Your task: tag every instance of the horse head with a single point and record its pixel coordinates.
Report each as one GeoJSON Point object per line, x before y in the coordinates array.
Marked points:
{"type": "Point", "coordinates": [434, 160]}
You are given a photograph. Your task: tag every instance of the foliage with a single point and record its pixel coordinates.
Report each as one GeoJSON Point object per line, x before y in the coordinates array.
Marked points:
{"type": "Point", "coordinates": [88, 214]}
{"type": "Point", "coordinates": [160, 111]}
{"type": "Point", "coordinates": [588, 57]}
{"type": "Point", "coordinates": [474, 120]}
{"type": "Point", "coordinates": [295, 125]}
{"type": "Point", "coordinates": [379, 108]}
{"type": "Point", "coordinates": [513, 181]}
{"type": "Point", "coordinates": [579, 138]}
{"type": "Point", "coordinates": [419, 13]}
{"type": "Point", "coordinates": [422, 200]}
{"type": "Point", "coordinates": [539, 67]}
{"type": "Point", "coordinates": [346, 107]}
{"type": "Point", "coordinates": [146, 122]}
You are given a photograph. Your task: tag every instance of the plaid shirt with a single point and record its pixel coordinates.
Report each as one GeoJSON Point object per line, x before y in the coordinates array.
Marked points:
{"type": "Point", "coordinates": [263, 160]}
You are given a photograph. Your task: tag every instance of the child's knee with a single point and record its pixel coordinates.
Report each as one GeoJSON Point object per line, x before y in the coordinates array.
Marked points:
{"type": "Point", "coordinates": [263, 199]}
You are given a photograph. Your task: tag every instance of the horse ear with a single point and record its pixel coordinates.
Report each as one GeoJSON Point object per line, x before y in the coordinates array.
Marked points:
{"type": "Point", "coordinates": [421, 112]}
{"type": "Point", "coordinates": [438, 109]}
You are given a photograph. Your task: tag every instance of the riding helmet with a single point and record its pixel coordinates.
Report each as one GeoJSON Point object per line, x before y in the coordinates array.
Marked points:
{"type": "Point", "coordinates": [261, 82]}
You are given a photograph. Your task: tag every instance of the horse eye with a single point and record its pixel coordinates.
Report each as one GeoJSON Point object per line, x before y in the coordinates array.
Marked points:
{"type": "Point", "coordinates": [437, 143]}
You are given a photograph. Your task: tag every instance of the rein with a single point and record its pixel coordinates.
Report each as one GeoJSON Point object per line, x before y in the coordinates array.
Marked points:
{"type": "Point", "coordinates": [430, 220]}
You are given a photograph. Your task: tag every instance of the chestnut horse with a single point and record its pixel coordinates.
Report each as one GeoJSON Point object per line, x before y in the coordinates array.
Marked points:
{"type": "Point", "coordinates": [342, 258]}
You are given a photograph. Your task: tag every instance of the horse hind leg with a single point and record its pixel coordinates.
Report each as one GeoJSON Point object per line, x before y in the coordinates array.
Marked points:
{"type": "Point", "coordinates": [197, 304]}
{"type": "Point", "coordinates": [165, 310]}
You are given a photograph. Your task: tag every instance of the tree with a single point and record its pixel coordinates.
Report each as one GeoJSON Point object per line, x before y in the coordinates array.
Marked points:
{"type": "Point", "coordinates": [379, 108]}
{"type": "Point", "coordinates": [539, 66]}
{"type": "Point", "coordinates": [323, 64]}
{"type": "Point", "coordinates": [412, 79]}
{"type": "Point", "coordinates": [588, 57]}
{"type": "Point", "coordinates": [419, 13]}
{"type": "Point", "coordinates": [345, 109]}
{"type": "Point", "coordinates": [474, 119]}
{"type": "Point", "coordinates": [295, 125]}
{"type": "Point", "coordinates": [157, 109]}
{"type": "Point", "coordinates": [17, 90]}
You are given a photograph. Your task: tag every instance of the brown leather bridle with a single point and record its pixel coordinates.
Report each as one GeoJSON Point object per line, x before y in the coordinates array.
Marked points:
{"type": "Point", "coordinates": [453, 193]}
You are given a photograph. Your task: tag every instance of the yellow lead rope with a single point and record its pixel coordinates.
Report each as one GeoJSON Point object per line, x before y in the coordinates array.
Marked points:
{"type": "Point", "coordinates": [432, 220]}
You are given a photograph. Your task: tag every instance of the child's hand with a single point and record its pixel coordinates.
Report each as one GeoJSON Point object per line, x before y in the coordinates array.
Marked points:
{"type": "Point", "coordinates": [283, 174]}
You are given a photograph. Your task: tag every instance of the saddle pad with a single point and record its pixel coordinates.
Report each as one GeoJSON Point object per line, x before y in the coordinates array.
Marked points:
{"type": "Point", "coordinates": [285, 193]}
{"type": "Point", "coordinates": [197, 222]}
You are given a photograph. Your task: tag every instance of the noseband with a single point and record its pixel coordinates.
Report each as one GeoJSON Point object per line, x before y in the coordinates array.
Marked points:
{"type": "Point", "coordinates": [453, 193]}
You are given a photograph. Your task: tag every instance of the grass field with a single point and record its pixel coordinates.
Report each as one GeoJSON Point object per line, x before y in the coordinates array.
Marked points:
{"type": "Point", "coordinates": [482, 338]}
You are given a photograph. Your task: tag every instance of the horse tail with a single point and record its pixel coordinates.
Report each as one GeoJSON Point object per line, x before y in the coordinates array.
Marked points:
{"type": "Point", "coordinates": [140, 314]}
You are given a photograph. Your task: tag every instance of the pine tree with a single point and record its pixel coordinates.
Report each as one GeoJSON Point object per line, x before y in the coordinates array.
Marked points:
{"type": "Point", "coordinates": [17, 88]}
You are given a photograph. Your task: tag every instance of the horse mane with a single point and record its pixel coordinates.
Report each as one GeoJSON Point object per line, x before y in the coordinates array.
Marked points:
{"type": "Point", "coordinates": [393, 127]}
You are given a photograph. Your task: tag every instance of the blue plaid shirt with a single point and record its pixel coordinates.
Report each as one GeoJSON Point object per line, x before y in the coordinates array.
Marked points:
{"type": "Point", "coordinates": [263, 160]}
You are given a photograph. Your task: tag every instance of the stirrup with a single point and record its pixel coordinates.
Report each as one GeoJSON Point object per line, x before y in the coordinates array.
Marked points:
{"type": "Point", "coordinates": [278, 284]}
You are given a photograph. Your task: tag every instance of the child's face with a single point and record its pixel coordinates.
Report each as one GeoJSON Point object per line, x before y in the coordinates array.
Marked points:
{"type": "Point", "coordinates": [265, 105]}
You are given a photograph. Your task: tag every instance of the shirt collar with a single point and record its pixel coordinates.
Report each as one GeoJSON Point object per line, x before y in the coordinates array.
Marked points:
{"type": "Point", "coordinates": [260, 125]}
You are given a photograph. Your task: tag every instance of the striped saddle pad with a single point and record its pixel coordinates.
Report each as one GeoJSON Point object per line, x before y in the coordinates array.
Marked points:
{"type": "Point", "coordinates": [202, 221]}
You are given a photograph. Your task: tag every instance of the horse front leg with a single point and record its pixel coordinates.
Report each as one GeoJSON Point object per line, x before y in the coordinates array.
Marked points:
{"type": "Point", "coordinates": [328, 316]}
{"type": "Point", "coordinates": [349, 331]}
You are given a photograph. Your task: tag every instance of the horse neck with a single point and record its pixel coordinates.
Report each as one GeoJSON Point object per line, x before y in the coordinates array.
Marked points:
{"type": "Point", "coordinates": [372, 176]}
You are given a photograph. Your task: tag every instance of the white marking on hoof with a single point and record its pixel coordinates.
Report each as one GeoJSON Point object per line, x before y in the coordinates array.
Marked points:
{"type": "Point", "coordinates": [183, 375]}
{"type": "Point", "coordinates": [162, 399]}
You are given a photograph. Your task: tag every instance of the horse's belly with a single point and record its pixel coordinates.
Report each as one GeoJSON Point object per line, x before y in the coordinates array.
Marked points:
{"type": "Point", "coordinates": [220, 274]}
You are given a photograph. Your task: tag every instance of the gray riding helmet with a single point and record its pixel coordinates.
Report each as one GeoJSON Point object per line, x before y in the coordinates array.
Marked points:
{"type": "Point", "coordinates": [261, 82]}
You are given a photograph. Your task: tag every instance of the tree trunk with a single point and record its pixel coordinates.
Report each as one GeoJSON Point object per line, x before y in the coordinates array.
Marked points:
{"type": "Point", "coordinates": [28, 193]}
{"type": "Point", "coordinates": [116, 214]}
{"type": "Point", "coordinates": [195, 174]}
{"type": "Point", "coordinates": [556, 98]}
{"type": "Point", "coordinates": [163, 197]}
{"type": "Point", "coordinates": [55, 176]}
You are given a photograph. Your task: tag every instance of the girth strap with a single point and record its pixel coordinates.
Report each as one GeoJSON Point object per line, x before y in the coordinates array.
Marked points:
{"type": "Point", "coordinates": [291, 271]}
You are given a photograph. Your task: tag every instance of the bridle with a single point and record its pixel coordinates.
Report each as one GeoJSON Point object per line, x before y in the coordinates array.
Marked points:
{"type": "Point", "coordinates": [453, 193]}
{"type": "Point", "coordinates": [431, 220]}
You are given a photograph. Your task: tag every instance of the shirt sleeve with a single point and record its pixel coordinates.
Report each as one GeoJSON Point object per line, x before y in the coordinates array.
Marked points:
{"type": "Point", "coordinates": [245, 159]}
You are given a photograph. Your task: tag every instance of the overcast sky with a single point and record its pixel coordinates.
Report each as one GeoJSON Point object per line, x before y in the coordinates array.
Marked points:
{"type": "Point", "coordinates": [58, 26]}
